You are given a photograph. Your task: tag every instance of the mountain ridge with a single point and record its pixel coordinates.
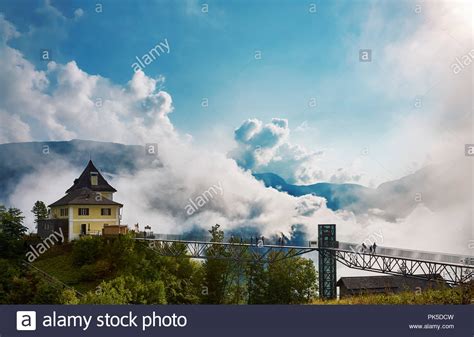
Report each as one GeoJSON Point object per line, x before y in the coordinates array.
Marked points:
{"type": "Point", "coordinates": [392, 199]}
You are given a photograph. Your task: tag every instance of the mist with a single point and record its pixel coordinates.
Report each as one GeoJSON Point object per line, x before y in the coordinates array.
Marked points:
{"type": "Point", "coordinates": [62, 100]}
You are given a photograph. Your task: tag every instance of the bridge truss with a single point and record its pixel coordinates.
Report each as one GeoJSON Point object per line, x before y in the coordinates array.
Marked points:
{"type": "Point", "coordinates": [428, 270]}
{"type": "Point", "coordinates": [453, 273]}
{"type": "Point", "coordinates": [243, 252]}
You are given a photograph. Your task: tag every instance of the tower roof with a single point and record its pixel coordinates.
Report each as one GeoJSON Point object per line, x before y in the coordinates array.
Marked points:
{"type": "Point", "coordinates": [389, 282]}
{"type": "Point", "coordinates": [85, 181]}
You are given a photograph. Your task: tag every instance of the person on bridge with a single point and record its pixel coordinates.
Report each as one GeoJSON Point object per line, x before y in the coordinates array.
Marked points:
{"type": "Point", "coordinates": [374, 246]}
{"type": "Point", "coordinates": [364, 247]}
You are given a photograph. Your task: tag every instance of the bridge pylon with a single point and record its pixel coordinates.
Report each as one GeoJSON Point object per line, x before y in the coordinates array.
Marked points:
{"type": "Point", "coordinates": [327, 261]}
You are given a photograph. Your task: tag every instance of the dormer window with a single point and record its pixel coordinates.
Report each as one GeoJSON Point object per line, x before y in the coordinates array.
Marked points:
{"type": "Point", "coordinates": [94, 178]}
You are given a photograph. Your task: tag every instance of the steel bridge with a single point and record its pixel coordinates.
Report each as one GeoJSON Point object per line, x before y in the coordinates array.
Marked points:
{"type": "Point", "coordinates": [455, 269]}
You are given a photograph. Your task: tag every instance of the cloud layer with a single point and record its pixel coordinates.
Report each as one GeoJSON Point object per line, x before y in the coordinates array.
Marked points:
{"type": "Point", "coordinates": [64, 102]}
{"type": "Point", "coordinates": [266, 148]}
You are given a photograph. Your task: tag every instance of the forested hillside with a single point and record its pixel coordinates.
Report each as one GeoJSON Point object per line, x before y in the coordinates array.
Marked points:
{"type": "Point", "coordinates": [121, 270]}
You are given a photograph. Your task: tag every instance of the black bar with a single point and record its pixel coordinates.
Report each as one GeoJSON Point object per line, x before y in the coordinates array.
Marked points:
{"type": "Point", "coordinates": [238, 321]}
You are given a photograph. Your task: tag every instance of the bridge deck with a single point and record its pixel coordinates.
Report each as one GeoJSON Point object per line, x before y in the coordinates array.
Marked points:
{"type": "Point", "coordinates": [454, 269]}
{"type": "Point", "coordinates": [451, 259]}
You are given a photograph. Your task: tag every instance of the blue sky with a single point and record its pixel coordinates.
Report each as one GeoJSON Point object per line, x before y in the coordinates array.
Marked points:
{"type": "Point", "coordinates": [212, 56]}
{"type": "Point", "coordinates": [366, 127]}
{"type": "Point", "coordinates": [305, 55]}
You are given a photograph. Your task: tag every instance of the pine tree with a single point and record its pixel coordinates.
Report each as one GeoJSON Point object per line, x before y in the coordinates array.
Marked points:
{"type": "Point", "coordinates": [11, 223]}
{"type": "Point", "coordinates": [216, 271]}
{"type": "Point", "coordinates": [40, 211]}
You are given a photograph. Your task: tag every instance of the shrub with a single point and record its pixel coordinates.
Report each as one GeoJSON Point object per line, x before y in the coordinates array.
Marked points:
{"type": "Point", "coordinates": [68, 296]}
{"type": "Point", "coordinates": [47, 293]}
{"type": "Point", "coordinates": [96, 271]}
{"type": "Point", "coordinates": [86, 250]}
{"type": "Point", "coordinates": [127, 290]}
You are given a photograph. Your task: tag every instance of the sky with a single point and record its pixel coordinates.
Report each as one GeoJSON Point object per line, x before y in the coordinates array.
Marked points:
{"type": "Point", "coordinates": [233, 61]}
{"type": "Point", "coordinates": [247, 87]}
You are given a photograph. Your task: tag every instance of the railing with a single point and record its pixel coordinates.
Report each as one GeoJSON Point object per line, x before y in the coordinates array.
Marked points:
{"type": "Point", "coordinates": [207, 238]}
{"type": "Point", "coordinates": [347, 246]}
{"type": "Point", "coordinates": [410, 254]}
{"type": "Point", "coordinates": [454, 268]}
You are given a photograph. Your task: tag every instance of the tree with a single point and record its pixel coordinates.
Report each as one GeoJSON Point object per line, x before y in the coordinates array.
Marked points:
{"type": "Point", "coordinates": [11, 223]}
{"type": "Point", "coordinates": [216, 271]}
{"type": "Point", "coordinates": [68, 296]}
{"type": "Point", "coordinates": [286, 281]}
{"type": "Point", "coordinates": [9, 271]}
{"type": "Point", "coordinates": [87, 250]}
{"type": "Point", "coordinates": [11, 233]}
{"type": "Point", "coordinates": [46, 293]}
{"type": "Point", "coordinates": [127, 290]}
{"type": "Point", "coordinates": [40, 211]}
{"type": "Point", "coordinates": [291, 281]}
{"type": "Point", "coordinates": [257, 282]}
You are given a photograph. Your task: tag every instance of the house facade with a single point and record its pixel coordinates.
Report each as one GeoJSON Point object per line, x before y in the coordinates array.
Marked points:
{"type": "Point", "coordinates": [87, 208]}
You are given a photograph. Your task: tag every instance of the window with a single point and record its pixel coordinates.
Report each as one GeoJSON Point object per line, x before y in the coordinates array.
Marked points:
{"type": "Point", "coordinates": [64, 212]}
{"type": "Point", "coordinates": [83, 211]}
{"type": "Point", "coordinates": [105, 211]}
{"type": "Point", "coordinates": [94, 178]}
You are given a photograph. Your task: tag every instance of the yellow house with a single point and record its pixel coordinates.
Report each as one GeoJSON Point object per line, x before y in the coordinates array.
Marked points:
{"type": "Point", "coordinates": [87, 207]}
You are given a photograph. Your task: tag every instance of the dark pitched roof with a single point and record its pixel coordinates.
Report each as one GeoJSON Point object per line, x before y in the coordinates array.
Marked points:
{"type": "Point", "coordinates": [386, 282]}
{"type": "Point", "coordinates": [83, 196]}
{"type": "Point", "coordinates": [85, 181]}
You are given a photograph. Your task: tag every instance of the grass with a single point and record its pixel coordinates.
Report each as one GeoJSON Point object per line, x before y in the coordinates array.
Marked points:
{"type": "Point", "coordinates": [458, 295]}
{"type": "Point", "coordinates": [57, 262]}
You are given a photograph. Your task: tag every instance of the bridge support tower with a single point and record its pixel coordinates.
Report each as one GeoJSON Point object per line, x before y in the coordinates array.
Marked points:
{"type": "Point", "coordinates": [327, 261]}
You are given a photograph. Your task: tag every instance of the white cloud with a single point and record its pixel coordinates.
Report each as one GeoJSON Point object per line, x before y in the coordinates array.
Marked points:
{"type": "Point", "coordinates": [414, 54]}
{"type": "Point", "coordinates": [79, 12]}
{"type": "Point", "coordinates": [7, 30]}
{"type": "Point", "coordinates": [12, 129]}
{"type": "Point", "coordinates": [48, 183]}
{"type": "Point", "coordinates": [266, 148]}
{"type": "Point", "coordinates": [65, 102]}
{"type": "Point", "coordinates": [343, 175]}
